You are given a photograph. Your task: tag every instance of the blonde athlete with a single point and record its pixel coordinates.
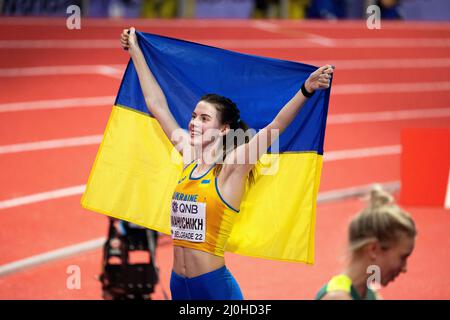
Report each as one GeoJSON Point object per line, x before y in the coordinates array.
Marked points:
{"type": "Point", "coordinates": [381, 237]}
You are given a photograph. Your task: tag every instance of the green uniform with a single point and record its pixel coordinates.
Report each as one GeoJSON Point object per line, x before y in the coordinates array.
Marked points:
{"type": "Point", "coordinates": [344, 283]}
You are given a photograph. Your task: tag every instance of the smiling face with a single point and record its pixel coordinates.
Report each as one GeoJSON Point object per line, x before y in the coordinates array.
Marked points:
{"type": "Point", "coordinates": [393, 260]}
{"type": "Point", "coordinates": [205, 126]}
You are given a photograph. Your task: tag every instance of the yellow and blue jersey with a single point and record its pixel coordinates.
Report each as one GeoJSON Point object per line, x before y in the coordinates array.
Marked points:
{"type": "Point", "coordinates": [200, 218]}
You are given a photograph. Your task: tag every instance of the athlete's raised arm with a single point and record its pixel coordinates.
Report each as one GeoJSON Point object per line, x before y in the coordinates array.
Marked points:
{"type": "Point", "coordinates": [154, 96]}
{"type": "Point", "coordinates": [259, 143]}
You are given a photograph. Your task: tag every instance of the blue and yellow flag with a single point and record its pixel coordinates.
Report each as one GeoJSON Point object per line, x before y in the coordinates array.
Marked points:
{"type": "Point", "coordinates": [136, 170]}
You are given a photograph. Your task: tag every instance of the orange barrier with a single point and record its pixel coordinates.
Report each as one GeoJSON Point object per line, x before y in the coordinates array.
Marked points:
{"type": "Point", "coordinates": [425, 166]}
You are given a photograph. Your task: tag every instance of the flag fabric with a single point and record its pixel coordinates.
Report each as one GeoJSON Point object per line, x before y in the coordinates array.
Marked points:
{"type": "Point", "coordinates": [136, 168]}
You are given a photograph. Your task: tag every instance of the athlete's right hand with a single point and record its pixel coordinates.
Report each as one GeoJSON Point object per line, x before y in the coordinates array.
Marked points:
{"type": "Point", "coordinates": [128, 39]}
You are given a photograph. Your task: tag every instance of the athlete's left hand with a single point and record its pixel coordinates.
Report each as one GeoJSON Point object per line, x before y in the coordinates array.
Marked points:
{"type": "Point", "coordinates": [319, 79]}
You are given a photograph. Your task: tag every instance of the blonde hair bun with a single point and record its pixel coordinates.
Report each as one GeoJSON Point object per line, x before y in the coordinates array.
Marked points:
{"type": "Point", "coordinates": [379, 197]}
{"type": "Point", "coordinates": [381, 221]}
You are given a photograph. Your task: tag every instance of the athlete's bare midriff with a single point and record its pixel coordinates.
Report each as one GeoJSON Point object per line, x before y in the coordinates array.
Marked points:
{"type": "Point", "coordinates": [191, 263]}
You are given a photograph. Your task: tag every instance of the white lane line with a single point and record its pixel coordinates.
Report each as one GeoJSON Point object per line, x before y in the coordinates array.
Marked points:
{"type": "Point", "coordinates": [51, 144]}
{"type": "Point", "coordinates": [274, 28]}
{"type": "Point", "coordinates": [266, 26]}
{"type": "Point", "coordinates": [357, 191]}
{"type": "Point", "coordinates": [322, 41]}
{"type": "Point", "coordinates": [58, 104]}
{"type": "Point", "coordinates": [63, 70]}
{"type": "Point", "coordinates": [242, 43]}
{"type": "Point", "coordinates": [390, 87]}
{"type": "Point", "coordinates": [118, 70]}
{"type": "Point", "coordinates": [59, 44]}
{"type": "Point", "coordinates": [96, 139]}
{"type": "Point", "coordinates": [76, 190]}
{"type": "Point", "coordinates": [51, 256]}
{"type": "Point", "coordinates": [340, 89]}
{"type": "Point", "coordinates": [362, 153]}
{"type": "Point", "coordinates": [333, 119]}
{"type": "Point", "coordinates": [360, 25]}
{"type": "Point", "coordinates": [121, 23]}
{"type": "Point", "coordinates": [323, 197]}
{"type": "Point", "coordinates": [43, 196]}
{"type": "Point", "coordinates": [224, 23]}
{"type": "Point", "coordinates": [392, 43]}
{"type": "Point", "coordinates": [340, 65]}
{"type": "Point", "coordinates": [348, 118]}
{"type": "Point", "coordinates": [382, 63]}
{"type": "Point", "coordinates": [111, 72]}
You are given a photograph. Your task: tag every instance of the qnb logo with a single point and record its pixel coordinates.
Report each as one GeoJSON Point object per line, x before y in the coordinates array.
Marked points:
{"type": "Point", "coordinates": [188, 208]}
{"type": "Point", "coordinates": [373, 17]}
{"type": "Point", "coordinates": [74, 20]}
{"type": "Point", "coordinates": [184, 208]}
{"type": "Point", "coordinates": [174, 207]}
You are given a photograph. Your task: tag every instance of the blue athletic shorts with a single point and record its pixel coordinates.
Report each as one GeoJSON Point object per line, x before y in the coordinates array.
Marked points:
{"type": "Point", "coordinates": [215, 285]}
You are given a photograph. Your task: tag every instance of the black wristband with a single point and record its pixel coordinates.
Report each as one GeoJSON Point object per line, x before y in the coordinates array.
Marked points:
{"type": "Point", "coordinates": [305, 92]}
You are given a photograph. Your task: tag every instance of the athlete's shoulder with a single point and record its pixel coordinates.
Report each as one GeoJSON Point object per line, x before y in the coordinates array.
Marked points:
{"type": "Point", "coordinates": [338, 288]}
{"type": "Point", "coordinates": [336, 295]}
{"type": "Point", "coordinates": [340, 282]}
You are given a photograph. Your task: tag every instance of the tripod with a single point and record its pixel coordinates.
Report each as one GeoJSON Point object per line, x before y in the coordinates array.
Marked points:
{"type": "Point", "coordinates": [120, 279]}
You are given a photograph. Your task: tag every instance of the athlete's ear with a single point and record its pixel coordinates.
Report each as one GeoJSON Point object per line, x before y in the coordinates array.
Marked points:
{"type": "Point", "coordinates": [224, 129]}
{"type": "Point", "coordinates": [373, 249]}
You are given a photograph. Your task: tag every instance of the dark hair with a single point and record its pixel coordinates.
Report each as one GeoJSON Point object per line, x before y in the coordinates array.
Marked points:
{"type": "Point", "coordinates": [228, 113]}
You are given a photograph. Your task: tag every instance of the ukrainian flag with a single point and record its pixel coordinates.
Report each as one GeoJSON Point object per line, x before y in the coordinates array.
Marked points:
{"type": "Point", "coordinates": [136, 168]}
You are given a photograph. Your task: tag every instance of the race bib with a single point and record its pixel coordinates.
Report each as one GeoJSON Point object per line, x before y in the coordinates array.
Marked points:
{"type": "Point", "coordinates": [188, 220]}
